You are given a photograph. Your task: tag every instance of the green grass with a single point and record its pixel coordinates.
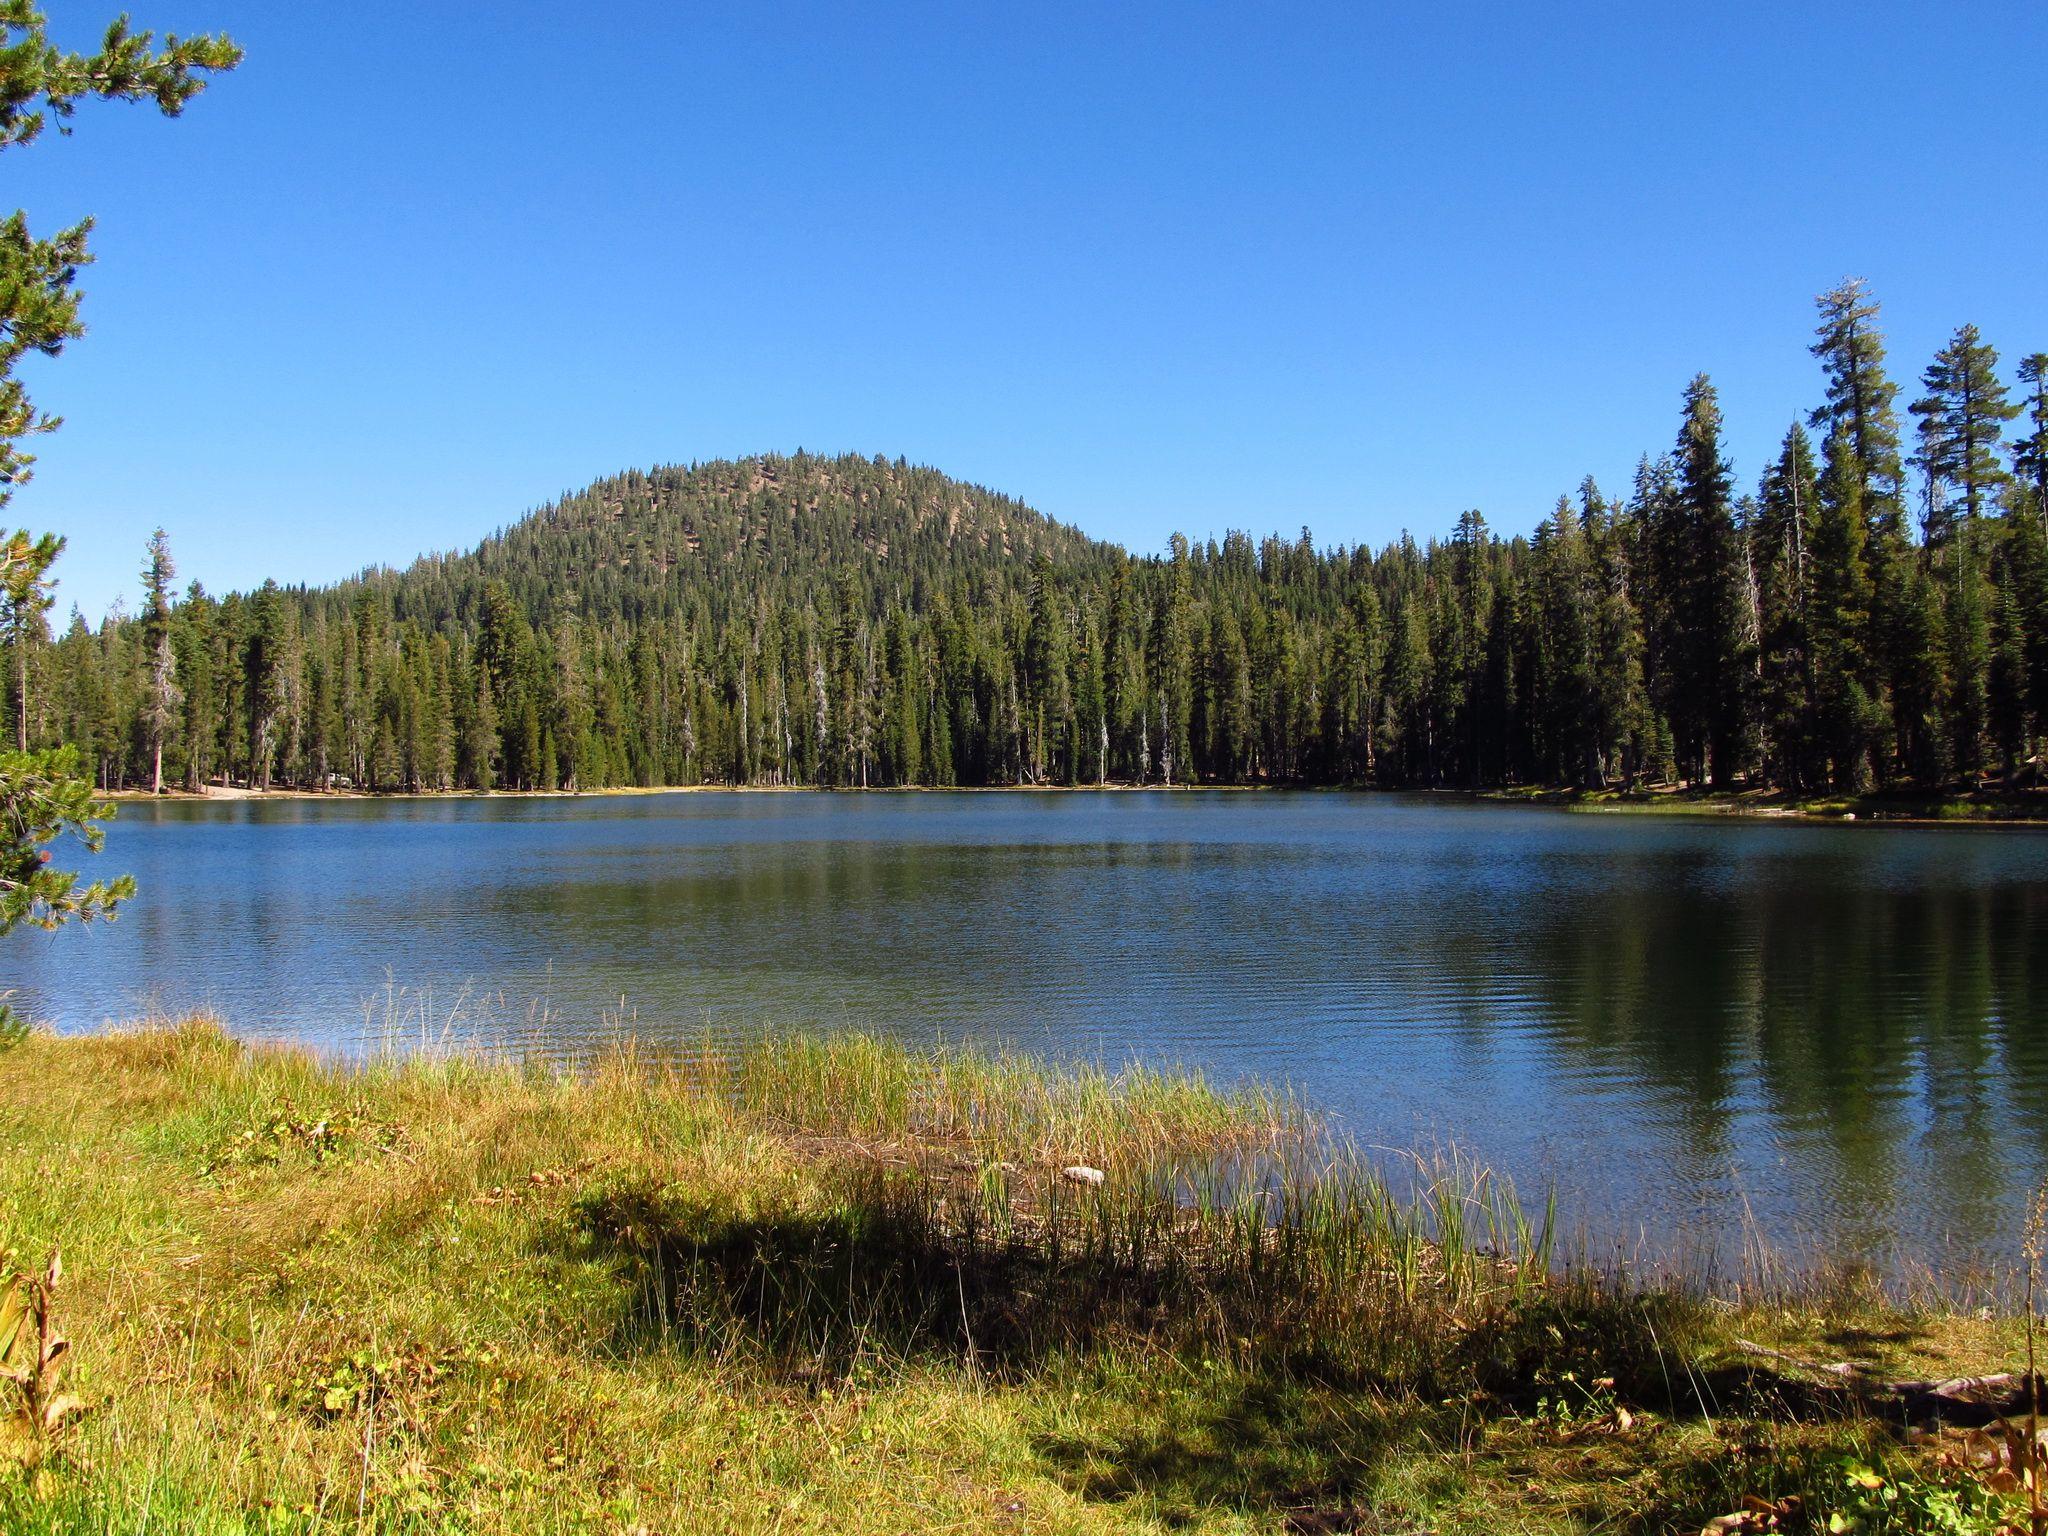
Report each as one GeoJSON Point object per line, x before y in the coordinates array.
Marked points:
{"type": "Point", "coordinates": [841, 1286]}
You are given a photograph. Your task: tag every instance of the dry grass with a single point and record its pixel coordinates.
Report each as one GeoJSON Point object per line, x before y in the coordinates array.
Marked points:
{"type": "Point", "coordinates": [838, 1286]}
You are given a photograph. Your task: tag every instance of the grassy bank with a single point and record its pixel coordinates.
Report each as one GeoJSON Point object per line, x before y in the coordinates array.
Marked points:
{"type": "Point", "coordinates": [840, 1287]}
{"type": "Point", "coordinates": [1912, 807]}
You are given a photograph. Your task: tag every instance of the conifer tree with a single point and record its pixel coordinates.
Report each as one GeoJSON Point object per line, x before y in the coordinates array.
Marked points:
{"type": "Point", "coordinates": [2010, 702]}
{"type": "Point", "coordinates": [1369, 619]}
{"type": "Point", "coordinates": [194, 644]}
{"type": "Point", "coordinates": [1613, 539]}
{"type": "Point", "coordinates": [163, 696]}
{"type": "Point", "coordinates": [1918, 662]}
{"type": "Point", "coordinates": [1565, 679]}
{"type": "Point", "coordinates": [45, 798]}
{"type": "Point", "coordinates": [1781, 549]}
{"type": "Point", "coordinates": [1962, 417]}
{"type": "Point", "coordinates": [24, 598]}
{"type": "Point", "coordinates": [1172, 665]}
{"type": "Point", "coordinates": [42, 796]}
{"type": "Point", "coordinates": [1047, 696]}
{"type": "Point", "coordinates": [1410, 718]}
{"type": "Point", "coordinates": [2023, 640]}
{"type": "Point", "coordinates": [1697, 538]}
{"type": "Point", "coordinates": [903, 733]}
{"type": "Point", "coordinates": [1859, 394]}
{"type": "Point", "coordinates": [1844, 710]}
{"type": "Point", "coordinates": [264, 663]}
{"type": "Point", "coordinates": [1966, 703]}
{"type": "Point", "coordinates": [2030, 452]}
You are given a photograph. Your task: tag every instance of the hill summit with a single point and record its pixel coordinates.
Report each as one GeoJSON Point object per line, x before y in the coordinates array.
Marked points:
{"type": "Point", "coordinates": [645, 542]}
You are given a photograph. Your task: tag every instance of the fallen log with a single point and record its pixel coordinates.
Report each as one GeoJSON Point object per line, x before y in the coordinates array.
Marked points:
{"type": "Point", "coordinates": [1965, 1400]}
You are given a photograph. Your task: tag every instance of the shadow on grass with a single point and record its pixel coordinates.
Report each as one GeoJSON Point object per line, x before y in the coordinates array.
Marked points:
{"type": "Point", "coordinates": [1302, 1458]}
{"type": "Point", "coordinates": [886, 1276]}
{"type": "Point", "coordinates": [898, 1268]}
{"type": "Point", "coordinates": [1309, 1456]}
{"type": "Point", "coordinates": [1302, 1395]}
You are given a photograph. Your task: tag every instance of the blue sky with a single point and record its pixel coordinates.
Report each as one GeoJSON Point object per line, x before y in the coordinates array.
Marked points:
{"type": "Point", "coordinates": [411, 272]}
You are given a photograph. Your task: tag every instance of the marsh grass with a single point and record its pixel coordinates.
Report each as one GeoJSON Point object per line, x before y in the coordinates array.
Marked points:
{"type": "Point", "coordinates": [1242, 1254]}
{"type": "Point", "coordinates": [847, 1286]}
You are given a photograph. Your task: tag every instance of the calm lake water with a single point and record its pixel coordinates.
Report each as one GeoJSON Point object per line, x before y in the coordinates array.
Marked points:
{"type": "Point", "coordinates": [1835, 1033]}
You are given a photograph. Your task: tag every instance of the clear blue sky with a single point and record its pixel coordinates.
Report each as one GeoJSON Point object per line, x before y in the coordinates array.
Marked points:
{"type": "Point", "coordinates": [410, 272]}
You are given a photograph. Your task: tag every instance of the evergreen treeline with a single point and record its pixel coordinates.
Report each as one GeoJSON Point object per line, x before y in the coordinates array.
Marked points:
{"type": "Point", "coordinates": [1875, 613]}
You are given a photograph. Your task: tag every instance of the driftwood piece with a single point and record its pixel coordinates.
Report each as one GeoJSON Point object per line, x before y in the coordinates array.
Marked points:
{"type": "Point", "coordinates": [1844, 1370]}
{"type": "Point", "coordinates": [1968, 1399]}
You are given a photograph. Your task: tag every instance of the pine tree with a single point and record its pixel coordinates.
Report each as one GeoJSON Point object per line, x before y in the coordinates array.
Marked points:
{"type": "Point", "coordinates": [2030, 453]}
{"type": "Point", "coordinates": [263, 668]}
{"type": "Point", "coordinates": [1613, 538]}
{"type": "Point", "coordinates": [903, 732]}
{"type": "Point", "coordinates": [1410, 717]}
{"type": "Point", "coordinates": [1369, 620]}
{"type": "Point", "coordinates": [476, 721]}
{"type": "Point", "coordinates": [1918, 645]}
{"type": "Point", "coordinates": [2016, 563]}
{"type": "Point", "coordinates": [2023, 591]}
{"type": "Point", "coordinates": [1859, 394]}
{"type": "Point", "coordinates": [194, 646]}
{"type": "Point", "coordinates": [1781, 547]}
{"type": "Point", "coordinates": [1967, 700]}
{"type": "Point", "coordinates": [24, 598]}
{"type": "Point", "coordinates": [1845, 713]}
{"type": "Point", "coordinates": [1962, 417]}
{"type": "Point", "coordinates": [1566, 682]}
{"type": "Point", "coordinates": [42, 796]}
{"type": "Point", "coordinates": [161, 703]}
{"type": "Point", "coordinates": [1231, 682]}
{"type": "Point", "coordinates": [1047, 695]}
{"type": "Point", "coordinates": [1091, 699]}
{"type": "Point", "coordinates": [1172, 666]}
{"type": "Point", "coordinates": [1696, 533]}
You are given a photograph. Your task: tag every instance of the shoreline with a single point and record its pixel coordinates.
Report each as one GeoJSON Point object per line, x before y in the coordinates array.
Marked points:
{"type": "Point", "coordinates": [225, 794]}
{"type": "Point", "coordinates": [2028, 808]}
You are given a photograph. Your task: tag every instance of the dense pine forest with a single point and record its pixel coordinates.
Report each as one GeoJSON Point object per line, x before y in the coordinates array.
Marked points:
{"type": "Point", "coordinates": [1874, 613]}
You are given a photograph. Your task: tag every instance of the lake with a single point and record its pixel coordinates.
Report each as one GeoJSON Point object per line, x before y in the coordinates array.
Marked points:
{"type": "Point", "coordinates": [1694, 1027]}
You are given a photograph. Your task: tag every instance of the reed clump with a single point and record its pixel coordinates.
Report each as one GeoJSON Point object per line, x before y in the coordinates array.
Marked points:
{"type": "Point", "coordinates": [1001, 1267]}
{"type": "Point", "coordinates": [841, 1285]}
{"type": "Point", "coordinates": [867, 1089]}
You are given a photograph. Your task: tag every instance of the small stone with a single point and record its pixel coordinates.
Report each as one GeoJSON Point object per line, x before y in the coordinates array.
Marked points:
{"type": "Point", "coordinates": [1081, 1173]}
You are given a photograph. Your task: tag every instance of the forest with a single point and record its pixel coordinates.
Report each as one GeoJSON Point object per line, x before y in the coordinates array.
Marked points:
{"type": "Point", "coordinates": [1873, 614]}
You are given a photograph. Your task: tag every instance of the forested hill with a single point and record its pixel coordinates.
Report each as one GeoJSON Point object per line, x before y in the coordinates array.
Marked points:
{"type": "Point", "coordinates": [643, 546]}
{"type": "Point", "coordinates": [1870, 613]}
